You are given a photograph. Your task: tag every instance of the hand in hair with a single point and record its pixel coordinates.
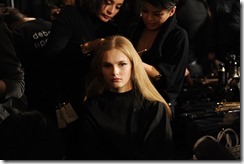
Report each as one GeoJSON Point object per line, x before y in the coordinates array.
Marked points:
{"type": "Point", "coordinates": [88, 47]}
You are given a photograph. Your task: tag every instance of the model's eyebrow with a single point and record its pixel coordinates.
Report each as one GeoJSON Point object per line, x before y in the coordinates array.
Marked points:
{"type": "Point", "coordinates": [117, 62]}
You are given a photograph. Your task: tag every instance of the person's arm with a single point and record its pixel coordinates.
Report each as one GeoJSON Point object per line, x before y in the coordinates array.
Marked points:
{"type": "Point", "coordinates": [11, 74]}
{"type": "Point", "coordinates": [152, 71]}
{"type": "Point", "coordinates": [88, 47]}
{"type": "Point", "coordinates": [174, 60]}
{"type": "Point", "coordinates": [61, 31]}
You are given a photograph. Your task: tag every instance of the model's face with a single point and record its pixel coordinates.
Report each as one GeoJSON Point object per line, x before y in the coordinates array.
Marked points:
{"type": "Point", "coordinates": [116, 70]}
{"type": "Point", "coordinates": [109, 9]}
{"type": "Point", "coordinates": [154, 17]}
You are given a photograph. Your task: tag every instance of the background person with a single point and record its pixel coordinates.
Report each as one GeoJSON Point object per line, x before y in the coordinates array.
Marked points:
{"type": "Point", "coordinates": [12, 83]}
{"type": "Point", "coordinates": [166, 44]}
{"type": "Point", "coordinates": [30, 37]}
{"type": "Point", "coordinates": [66, 65]}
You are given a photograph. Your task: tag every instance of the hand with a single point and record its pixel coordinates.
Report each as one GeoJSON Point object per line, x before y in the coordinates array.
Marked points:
{"type": "Point", "coordinates": [91, 46]}
{"type": "Point", "coordinates": [187, 72]}
{"type": "Point", "coordinates": [152, 71]}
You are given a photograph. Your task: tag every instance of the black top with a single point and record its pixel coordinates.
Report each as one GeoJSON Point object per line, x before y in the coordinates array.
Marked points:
{"type": "Point", "coordinates": [30, 39]}
{"type": "Point", "coordinates": [121, 126]}
{"type": "Point", "coordinates": [193, 16]}
{"type": "Point", "coordinates": [10, 66]}
{"type": "Point", "coordinates": [75, 26]}
{"type": "Point", "coordinates": [226, 16]}
{"type": "Point", "coordinates": [67, 65]}
{"type": "Point", "coordinates": [10, 71]}
{"type": "Point", "coordinates": [168, 54]}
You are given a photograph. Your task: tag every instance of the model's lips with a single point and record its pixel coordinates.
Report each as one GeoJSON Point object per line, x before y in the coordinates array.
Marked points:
{"type": "Point", "coordinates": [107, 17]}
{"type": "Point", "coordinates": [116, 79]}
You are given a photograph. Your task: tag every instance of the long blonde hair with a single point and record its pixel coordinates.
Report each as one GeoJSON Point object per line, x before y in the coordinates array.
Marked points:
{"type": "Point", "coordinates": [140, 79]}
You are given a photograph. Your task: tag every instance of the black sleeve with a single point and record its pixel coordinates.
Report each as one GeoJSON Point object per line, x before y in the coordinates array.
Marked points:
{"type": "Point", "coordinates": [173, 63]}
{"type": "Point", "coordinates": [61, 31]}
{"type": "Point", "coordinates": [10, 66]}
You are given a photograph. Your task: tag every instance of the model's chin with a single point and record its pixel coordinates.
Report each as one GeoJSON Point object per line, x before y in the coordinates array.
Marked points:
{"type": "Point", "coordinates": [115, 86]}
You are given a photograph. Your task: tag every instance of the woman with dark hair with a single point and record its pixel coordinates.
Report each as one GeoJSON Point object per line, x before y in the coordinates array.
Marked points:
{"type": "Point", "coordinates": [163, 45]}
{"type": "Point", "coordinates": [67, 66]}
{"type": "Point", "coordinates": [75, 25]}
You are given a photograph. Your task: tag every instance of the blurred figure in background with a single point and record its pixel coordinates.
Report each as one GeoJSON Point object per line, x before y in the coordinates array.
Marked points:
{"type": "Point", "coordinates": [12, 83]}
{"type": "Point", "coordinates": [195, 17]}
{"type": "Point", "coordinates": [30, 38]}
{"type": "Point", "coordinates": [226, 18]}
{"type": "Point", "coordinates": [54, 8]}
{"type": "Point", "coordinates": [56, 5]}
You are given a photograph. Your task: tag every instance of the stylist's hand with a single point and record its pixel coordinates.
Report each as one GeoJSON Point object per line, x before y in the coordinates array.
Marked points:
{"type": "Point", "coordinates": [91, 46]}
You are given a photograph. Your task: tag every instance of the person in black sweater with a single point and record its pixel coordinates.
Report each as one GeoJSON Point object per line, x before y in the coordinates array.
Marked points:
{"type": "Point", "coordinates": [124, 117]}
{"type": "Point", "coordinates": [66, 65]}
{"type": "Point", "coordinates": [12, 83]}
{"type": "Point", "coordinates": [196, 18]}
{"type": "Point", "coordinates": [226, 18]}
{"type": "Point", "coordinates": [166, 46]}
{"type": "Point", "coordinates": [30, 38]}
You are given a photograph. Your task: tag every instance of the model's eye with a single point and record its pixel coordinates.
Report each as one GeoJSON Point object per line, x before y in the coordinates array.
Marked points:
{"type": "Point", "coordinates": [108, 2]}
{"type": "Point", "coordinates": [118, 7]}
{"type": "Point", "coordinates": [106, 65]}
{"type": "Point", "coordinates": [123, 64]}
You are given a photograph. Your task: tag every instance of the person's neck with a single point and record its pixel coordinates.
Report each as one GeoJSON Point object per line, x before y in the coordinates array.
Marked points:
{"type": "Point", "coordinates": [123, 90]}
{"type": "Point", "coordinates": [153, 31]}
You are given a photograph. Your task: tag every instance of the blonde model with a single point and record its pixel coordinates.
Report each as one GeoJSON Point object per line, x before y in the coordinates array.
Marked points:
{"type": "Point", "coordinates": [124, 117]}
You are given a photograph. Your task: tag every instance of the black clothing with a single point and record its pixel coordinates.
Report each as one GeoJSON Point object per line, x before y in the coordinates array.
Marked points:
{"type": "Point", "coordinates": [29, 136]}
{"type": "Point", "coordinates": [117, 126]}
{"type": "Point", "coordinates": [10, 66]}
{"type": "Point", "coordinates": [67, 65]}
{"type": "Point", "coordinates": [226, 16]}
{"type": "Point", "coordinates": [10, 71]}
{"type": "Point", "coordinates": [77, 26]}
{"type": "Point", "coordinates": [168, 54]}
{"type": "Point", "coordinates": [194, 17]}
{"type": "Point", "coordinates": [30, 39]}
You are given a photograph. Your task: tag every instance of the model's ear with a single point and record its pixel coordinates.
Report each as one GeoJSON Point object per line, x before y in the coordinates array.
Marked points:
{"type": "Point", "coordinates": [172, 11]}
